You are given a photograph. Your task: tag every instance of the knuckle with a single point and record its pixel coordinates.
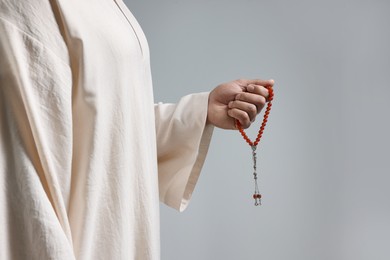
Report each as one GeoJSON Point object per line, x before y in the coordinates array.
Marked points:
{"type": "Point", "coordinates": [245, 120]}
{"type": "Point", "coordinates": [263, 91]}
{"type": "Point", "coordinates": [262, 101]}
{"type": "Point", "coordinates": [252, 109]}
{"type": "Point", "coordinates": [246, 124]}
{"type": "Point", "coordinates": [266, 92]}
{"type": "Point", "coordinates": [244, 95]}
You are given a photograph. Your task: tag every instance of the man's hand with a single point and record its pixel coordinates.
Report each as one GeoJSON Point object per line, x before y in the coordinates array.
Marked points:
{"type": "Point", "coordinates": [240, 99]}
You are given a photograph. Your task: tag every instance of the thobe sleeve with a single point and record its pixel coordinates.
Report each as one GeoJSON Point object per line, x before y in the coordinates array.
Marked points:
{"type": "Point", "coordinates": [183, 138]}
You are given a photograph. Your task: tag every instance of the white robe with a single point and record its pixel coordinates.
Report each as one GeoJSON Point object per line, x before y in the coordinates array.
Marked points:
{"type": "Point", "coordinates": [85, 154]}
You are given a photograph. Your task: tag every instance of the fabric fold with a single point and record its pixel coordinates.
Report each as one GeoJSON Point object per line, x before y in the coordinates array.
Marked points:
{"type": "Point", "coordinates": [183, 138]}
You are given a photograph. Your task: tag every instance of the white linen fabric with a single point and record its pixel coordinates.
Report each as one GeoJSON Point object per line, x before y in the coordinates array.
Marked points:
{"type": "Point", "coordinates": [85, 154]}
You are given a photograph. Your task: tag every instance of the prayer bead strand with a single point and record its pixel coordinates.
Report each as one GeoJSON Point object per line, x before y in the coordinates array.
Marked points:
{"type": "Point", "coordinates": [257, 195]}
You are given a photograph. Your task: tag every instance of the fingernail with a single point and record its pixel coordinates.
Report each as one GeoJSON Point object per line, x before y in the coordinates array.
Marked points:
{"type": "Point", "coordinates": [250, 88]}
{"type": "Point", "coordinates": [230, 104]}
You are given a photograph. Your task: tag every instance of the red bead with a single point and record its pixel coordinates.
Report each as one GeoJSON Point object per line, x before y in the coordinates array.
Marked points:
{"type": "Point", "coordinates": [257, 196]}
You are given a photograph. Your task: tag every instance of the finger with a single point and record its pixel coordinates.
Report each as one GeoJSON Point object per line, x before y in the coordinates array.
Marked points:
{"type": "Point", "coordinates": [256, 89]}
{"type": "Point", "coordinates": [248, 108]}
{"type": "Point", "coordinates": [241, 116]}
{"type": "Point", "coordinates": [261, 82]}
{"type": "Point", "coordinates": [257, 100]}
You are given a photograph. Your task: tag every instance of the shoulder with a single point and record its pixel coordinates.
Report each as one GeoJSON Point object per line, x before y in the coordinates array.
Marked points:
{"type": "Point", "coordinates": [38, 20]}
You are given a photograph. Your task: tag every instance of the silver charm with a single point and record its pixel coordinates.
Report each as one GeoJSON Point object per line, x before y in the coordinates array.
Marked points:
{"type": "Point", "coordinates": [256, 195]}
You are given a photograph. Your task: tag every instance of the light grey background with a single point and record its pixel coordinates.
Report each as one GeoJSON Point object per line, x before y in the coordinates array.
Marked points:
{"type": "Point", "coordinates": [325, 161]}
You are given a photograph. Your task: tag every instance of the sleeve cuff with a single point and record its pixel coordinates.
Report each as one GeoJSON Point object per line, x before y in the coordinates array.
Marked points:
{"type": "Point", "coordinates": [183, 138]}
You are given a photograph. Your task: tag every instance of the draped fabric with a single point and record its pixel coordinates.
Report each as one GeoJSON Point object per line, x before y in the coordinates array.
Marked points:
{"type": "Point", "coordinates": [85, 154]}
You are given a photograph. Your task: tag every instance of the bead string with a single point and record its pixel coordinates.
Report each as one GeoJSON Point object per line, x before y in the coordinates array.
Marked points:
{"type": "Point", "coordinates": [253, 145]}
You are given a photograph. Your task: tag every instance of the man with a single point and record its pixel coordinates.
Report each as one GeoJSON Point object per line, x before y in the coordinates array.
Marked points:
{"type": "Point", "coordinates": [82, 141]}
